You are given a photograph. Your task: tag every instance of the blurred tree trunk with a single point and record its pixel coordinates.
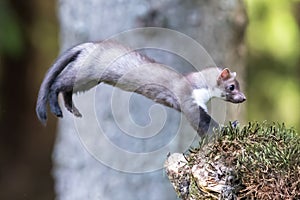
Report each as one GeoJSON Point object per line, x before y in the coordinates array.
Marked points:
{"type": "Point", "coordinates": [25, 146]}
{"type": "Point", "coordinates": [217, 25]}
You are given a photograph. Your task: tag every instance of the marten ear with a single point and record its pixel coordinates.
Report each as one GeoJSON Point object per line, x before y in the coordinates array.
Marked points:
{"type": "Point", "coordinates": [233, 74]}
{"type": "Point", "coordinates": [225, 74]}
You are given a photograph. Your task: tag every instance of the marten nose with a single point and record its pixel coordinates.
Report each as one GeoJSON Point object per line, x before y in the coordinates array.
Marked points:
{"type": "Point", "coordinates": [243, 98]}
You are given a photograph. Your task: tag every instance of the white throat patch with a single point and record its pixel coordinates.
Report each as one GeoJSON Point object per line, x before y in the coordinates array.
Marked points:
{"type": "Point", "coordinates": [203, 95]}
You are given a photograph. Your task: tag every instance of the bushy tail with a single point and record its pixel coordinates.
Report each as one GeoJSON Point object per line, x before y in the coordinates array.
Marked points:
{"type": "Point", "coordinates": [60, 64]}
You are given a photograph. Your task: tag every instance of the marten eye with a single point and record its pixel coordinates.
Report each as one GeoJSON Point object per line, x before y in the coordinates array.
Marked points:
{"type": "Point", "coordinates": [231, 87]}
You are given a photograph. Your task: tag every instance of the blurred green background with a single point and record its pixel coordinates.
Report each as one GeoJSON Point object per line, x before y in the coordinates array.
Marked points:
{"type": "Point", "coordinates": [29, 44]}
{"type": "Point", "coordinates": [273, 65]}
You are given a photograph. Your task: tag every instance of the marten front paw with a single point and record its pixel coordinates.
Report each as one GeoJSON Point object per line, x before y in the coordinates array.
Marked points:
{"type": "Point", "coordinates": [235, 123]}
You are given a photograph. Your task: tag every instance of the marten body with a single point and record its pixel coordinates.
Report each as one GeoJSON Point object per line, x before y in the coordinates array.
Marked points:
{"type": "Point", "coordinates": [84, 66]}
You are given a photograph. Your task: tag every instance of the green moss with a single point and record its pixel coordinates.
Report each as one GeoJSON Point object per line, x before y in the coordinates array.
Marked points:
{"type": "Point", "coordinates": [265, 158]}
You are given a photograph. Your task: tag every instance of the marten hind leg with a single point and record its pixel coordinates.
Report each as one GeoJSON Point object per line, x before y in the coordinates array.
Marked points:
{"type": "Point", "coordinates": [69, 103]}
{"type": "Point", "coordinates": [53, 103]}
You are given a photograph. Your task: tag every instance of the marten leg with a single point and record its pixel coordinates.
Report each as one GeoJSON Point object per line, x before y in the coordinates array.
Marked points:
{"type": "Point", "coordinates": [55, 89]}
{"type": "Point", "coordinates": [66, 88]}
{"type": "Point", "coordinates": [53, 102]}
{"type": "Point", "coordinates": [69, 103]}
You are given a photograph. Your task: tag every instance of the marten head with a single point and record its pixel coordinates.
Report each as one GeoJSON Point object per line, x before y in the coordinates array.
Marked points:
{"type": "Point", "coordinates": [230, 87]}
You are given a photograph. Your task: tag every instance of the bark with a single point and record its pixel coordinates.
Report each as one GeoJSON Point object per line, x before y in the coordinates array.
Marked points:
{"type": "Point", "coordinates": [87, 166]}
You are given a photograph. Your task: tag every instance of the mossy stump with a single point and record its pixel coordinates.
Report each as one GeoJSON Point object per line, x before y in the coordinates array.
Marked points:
{"type": "Point", "coordinates": [257, 161]}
